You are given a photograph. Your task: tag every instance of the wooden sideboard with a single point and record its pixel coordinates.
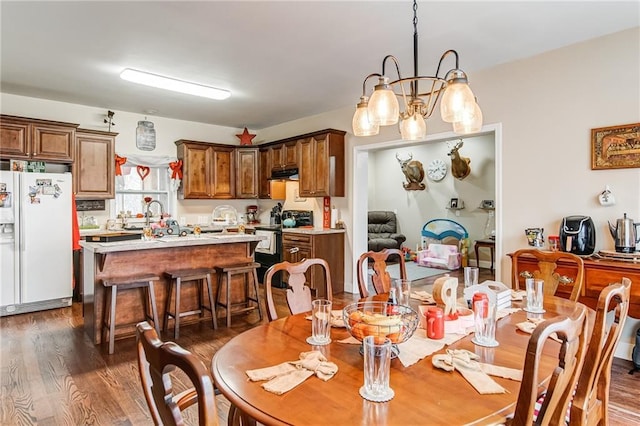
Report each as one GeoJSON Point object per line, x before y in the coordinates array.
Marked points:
{"type": "Point", "coordinates": [599, 273]}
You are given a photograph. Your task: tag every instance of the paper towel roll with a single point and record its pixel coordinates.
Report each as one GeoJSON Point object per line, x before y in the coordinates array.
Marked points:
{"type": "Point", "coordinates": [334, 217]}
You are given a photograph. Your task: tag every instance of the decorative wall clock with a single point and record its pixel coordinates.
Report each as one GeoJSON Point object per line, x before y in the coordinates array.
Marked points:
{"type": "Point", "coordinates": [436, 170]}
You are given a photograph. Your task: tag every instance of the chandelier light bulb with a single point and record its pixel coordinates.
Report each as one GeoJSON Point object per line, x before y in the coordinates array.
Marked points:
{"type": "Point", "coordinates": [384, 109]}
{"type": "Point", "coordinates": [457, 101]}
{"type": "Point", "coordinates": [413, 128]}
{"type": "Point", "coordinates": [362, 125]}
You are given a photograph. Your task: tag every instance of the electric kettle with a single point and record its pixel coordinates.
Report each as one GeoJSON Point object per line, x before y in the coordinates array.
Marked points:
{"type": "Point", "coordinates": [624, 234]}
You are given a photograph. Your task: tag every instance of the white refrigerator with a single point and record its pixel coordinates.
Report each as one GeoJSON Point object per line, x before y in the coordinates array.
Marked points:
{"type": "Point", "coordinates": [35, 241]}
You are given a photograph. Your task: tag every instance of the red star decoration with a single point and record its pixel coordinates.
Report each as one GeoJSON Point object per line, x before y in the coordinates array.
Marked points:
{"type": "Point", "coordinates": [246, 137]}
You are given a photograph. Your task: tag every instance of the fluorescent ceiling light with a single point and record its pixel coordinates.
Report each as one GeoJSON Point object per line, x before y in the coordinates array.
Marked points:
{"type": "Point", "coordinates": [167, 83]}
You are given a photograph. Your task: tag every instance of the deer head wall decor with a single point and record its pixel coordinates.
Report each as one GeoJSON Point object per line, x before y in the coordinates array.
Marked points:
{"type": "Point", "coordinates": [414, 173]}
{"type": "Point", "coordinates": [460, 168]}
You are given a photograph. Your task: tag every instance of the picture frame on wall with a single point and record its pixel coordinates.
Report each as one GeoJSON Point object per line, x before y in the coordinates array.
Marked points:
{"type": "Point", "coordinates": [615, 147]}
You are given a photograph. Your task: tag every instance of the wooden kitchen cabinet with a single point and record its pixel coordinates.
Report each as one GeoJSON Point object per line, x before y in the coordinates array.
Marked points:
{"type": "Point", "coordinates": [284, 156]}
{"type": "Point", "coordinates": [94, 164]}
{"type": "Point", "coordinates": [36, 140]}
{"type": "Point", "coordinates": [599, 273]}
{"type": "Point", "coordinates": [264, 173]}
{"type": "Point", "coordinates": [247, 173]}
{"type": "Point", "coordinates": [322, 164]}
{"type": "Point", "coordinates": [208, 170]}
{"type": "Point", "coordinates": [223, 184]}
{"type": "Point", "coordinates": [328, 246]}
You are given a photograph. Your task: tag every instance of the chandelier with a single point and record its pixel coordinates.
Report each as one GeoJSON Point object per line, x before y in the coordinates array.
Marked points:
{"type": "Point", "coordinates": [458, 104]}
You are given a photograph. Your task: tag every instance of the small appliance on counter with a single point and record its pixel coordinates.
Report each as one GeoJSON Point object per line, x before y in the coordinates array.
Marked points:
{"type": "Point", "coordinates": [276, 215]}
{"type": "Point", "coordinates": [578, 235]}
{"type": "Point", "coordinates": [252, 214]}
{"type": "Point", "coordinates": [535, 237]}
{"type": "Point", "coordinates": [625, 235]}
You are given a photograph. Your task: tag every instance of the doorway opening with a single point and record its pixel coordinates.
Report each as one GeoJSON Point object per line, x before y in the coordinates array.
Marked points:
{"type": "Point", "coordinates": [362, 179]}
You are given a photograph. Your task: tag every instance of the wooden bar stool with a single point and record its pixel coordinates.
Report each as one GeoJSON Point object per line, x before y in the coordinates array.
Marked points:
{"type": "Point", "coordinates": [201, 275]}
{"type": "Point", "coordinates": [144, 282]}
{"type": "Point", "coordinates": [249, 272]}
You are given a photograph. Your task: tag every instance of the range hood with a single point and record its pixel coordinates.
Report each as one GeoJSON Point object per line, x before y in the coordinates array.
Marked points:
{"type": "Point", "coordinates": [285, 174]}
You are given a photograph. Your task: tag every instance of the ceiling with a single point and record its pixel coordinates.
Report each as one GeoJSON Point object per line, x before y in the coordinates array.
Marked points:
{"type": "Point", "coordinates": [281, 60]}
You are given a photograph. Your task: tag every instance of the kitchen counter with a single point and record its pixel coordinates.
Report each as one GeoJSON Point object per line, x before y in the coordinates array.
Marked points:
{"type": "Point", "coordinates": [122, 259]}
{"type": "Point", "coordinates": [312, 231]}
{"type": "Point", "coordinates": [169, 241]}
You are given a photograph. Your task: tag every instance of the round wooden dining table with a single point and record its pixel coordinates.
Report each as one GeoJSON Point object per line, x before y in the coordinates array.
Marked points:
{"type": "Point", "coordinates": [423, 393]}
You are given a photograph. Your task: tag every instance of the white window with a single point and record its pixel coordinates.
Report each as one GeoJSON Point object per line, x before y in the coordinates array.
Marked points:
{"type": "Point", "coordinates": [131, 191]}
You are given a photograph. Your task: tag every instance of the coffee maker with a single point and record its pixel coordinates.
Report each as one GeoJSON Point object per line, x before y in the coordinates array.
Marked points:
{"type": "Point", "coordinates": [252, 214]}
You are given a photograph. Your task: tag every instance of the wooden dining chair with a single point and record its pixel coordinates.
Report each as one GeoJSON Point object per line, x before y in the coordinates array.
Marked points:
{"type": "Point", "coordinates": [298, 292]}
{"type": "Point", "coordinates": [572, 332]}
{"type": "Point", "coordinates": [591, 400]}
{"type": "Point", "coordinates": [155, 361]}
{"type": "Point", "coordinates": [381, 279]}
{"type": "Point", "coordinates": [570, 272]}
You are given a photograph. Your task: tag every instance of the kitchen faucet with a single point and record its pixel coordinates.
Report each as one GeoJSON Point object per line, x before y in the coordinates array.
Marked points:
{"type": "Point", "coordinates": [148, 213]}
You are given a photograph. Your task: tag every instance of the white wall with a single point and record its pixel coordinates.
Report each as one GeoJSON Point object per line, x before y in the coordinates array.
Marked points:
{"type": "Point", "coordinates": [546, 106]}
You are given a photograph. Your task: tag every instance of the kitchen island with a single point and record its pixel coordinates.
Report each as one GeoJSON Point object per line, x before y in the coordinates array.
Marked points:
{"type": "Point", "coordinates": [119, 259]}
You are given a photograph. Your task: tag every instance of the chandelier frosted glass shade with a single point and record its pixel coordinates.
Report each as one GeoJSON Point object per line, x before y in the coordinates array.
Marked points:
{"type": "Point", "coordinates": [471, 123]}
{"type": "Point", "coordinates": [362, 125]}
{"type": "Point", "coordinates": [458, 101]}
{"type": "Point", "coordinates": [384, 109]}
{"type": "Point", "coordinates": [413, 128]}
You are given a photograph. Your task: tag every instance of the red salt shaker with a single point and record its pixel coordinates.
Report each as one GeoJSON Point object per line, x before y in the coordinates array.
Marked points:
{"type": "Point", "coordinates": [479, 296]}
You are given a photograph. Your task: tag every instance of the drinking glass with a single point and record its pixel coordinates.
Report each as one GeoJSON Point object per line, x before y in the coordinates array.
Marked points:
{"type": "Point", "coordinates": [320, 322]}
{"type": "Point", "coordinates": [377, 366]}
{"type": "Point", "coordinates": [535, 295]}
{"type": "Point", "coordinates": [484, 317]}
{"type": "Point", "coordinates": [403, 290]}
{"type": "Point", "coordinates": [470, 278]}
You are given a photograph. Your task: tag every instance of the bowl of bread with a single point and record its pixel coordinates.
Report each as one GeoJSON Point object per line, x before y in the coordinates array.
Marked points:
{"type": "Point", "coordinates": [380, 319]}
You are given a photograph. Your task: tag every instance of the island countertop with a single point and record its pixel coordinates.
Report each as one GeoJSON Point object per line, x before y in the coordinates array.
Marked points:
{"type": "Point", "coordinates": [169, 242]}
{"type": "Point", "coordinates": [124, 259]}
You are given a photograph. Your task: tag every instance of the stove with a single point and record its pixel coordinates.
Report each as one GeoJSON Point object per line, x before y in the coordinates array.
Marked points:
{"type": "Point", "coordinates": [269, 251]}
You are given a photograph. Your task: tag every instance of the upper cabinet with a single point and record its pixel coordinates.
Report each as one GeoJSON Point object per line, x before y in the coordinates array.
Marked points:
{"type": "Point", "coordinates": [285, 155]}
{"type": "Point", "coordinates": [36, 140]}
{"type": "Point", "coordinates": [208, 170]}
{"type": "Point", "coordinates": [264, 172]}
{"type": "Point", "coordinates": [247, 173]}
{"type": "Point", "coordinates": [322, 164]}
{"type": "Point", "coordinates": [94, 164]}
{"type": "Point", "coordinates": [224, 171]}
{"type": "Point", "coordinates": [223, 184]}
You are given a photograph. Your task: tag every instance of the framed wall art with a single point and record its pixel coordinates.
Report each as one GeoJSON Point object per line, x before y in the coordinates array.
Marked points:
{"type": "Point", "coordinates": [615, 147]}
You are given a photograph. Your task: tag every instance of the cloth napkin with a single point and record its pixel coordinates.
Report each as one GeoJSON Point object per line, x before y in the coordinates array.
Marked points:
{"type": "Point", "coordinates": [474, 372]}
{"type": "Point", "coordinates": [336, 318]}
{"type": "Point", "coordinates": [517, 294]}
{"type": "Point", "coordinates": [529, 325]}
{"type": "Point", "coordinates": [287, 375]}
{"type": "Point", "coordinates": [423, 296]}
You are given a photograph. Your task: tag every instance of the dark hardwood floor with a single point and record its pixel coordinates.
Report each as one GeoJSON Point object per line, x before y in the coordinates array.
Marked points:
{"type": "Point", "coordinates": [51, 374]}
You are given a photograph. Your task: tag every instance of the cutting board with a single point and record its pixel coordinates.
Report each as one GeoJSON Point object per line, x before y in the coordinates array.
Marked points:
{"type": "Point", "coordinates": [113, 236]}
